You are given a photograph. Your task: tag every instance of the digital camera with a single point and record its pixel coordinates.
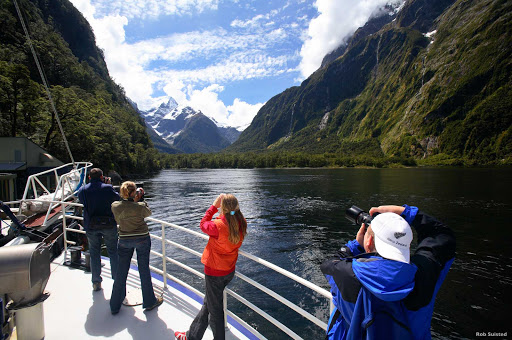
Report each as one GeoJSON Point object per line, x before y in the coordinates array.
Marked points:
{"type": "Point", "coordinates": [139, 191]}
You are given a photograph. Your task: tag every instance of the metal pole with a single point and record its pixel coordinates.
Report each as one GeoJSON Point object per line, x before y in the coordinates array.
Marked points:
{"type": "Point", "coordinates": [164, 260]}
{"type": "Point", "coordinates": [63, 210]}
{"type": "Point", "coordinates": [225, 307]}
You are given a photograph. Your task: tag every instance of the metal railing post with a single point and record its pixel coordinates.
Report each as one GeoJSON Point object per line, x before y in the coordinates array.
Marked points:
{"type": "Point", "coordinates": [164, 260]}
{"type": "Point", "coordinates": [64, 229]}
{"type": "Point", "coordinates": [225, 308]}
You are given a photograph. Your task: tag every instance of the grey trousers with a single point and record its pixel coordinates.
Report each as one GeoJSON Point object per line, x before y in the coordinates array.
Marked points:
{"type": "Point", "coordinates": [212, 312]}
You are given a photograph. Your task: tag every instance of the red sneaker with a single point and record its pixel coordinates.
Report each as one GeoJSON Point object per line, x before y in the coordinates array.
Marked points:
{"type": "Point", "coordinates": [180, 335]}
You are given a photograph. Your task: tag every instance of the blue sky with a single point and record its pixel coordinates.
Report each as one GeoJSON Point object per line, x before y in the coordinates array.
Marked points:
{"type": "Point", "coordinates": [223, 57]}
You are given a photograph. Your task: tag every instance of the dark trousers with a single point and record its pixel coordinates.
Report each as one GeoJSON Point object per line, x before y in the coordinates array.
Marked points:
{"type": "Point", "coordinates": [212, 312]}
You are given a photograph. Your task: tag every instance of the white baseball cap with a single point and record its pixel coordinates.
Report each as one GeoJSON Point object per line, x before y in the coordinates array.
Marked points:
{"type": "Point", "coordinates": [393, 236]}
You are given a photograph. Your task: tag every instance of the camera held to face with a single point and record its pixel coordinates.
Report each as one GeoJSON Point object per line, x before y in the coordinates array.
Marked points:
{"type": "Point", "coordinates": [140, 192]}
{"type": "Point", "coordinates": [359, 216]}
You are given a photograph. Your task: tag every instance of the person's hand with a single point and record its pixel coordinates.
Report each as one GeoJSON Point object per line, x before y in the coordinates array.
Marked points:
{"type": "Point", "coordinates": [138, 194]}
{"type": "Point", "coordinates": [360, 235]}
{"type": "Point", "coordinates": [387, 208]}
{"type": "Point", "coordinates": [218, 201]}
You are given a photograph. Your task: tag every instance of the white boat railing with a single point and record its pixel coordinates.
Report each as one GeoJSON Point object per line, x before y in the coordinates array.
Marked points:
{"type": "Point", "coordinates": [65, 187]}
{"type": "Point", "coordinates": [166, 259]}
{"type": "Point", "coordinates": [326, 294]}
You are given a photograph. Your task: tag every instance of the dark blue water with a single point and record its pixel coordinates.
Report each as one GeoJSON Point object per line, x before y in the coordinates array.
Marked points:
{"type": "Point", "coordinates": [296, 220]}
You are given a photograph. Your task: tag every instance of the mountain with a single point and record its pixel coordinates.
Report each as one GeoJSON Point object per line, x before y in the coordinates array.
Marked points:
{"type": "Point", "coordinates": [158, 142]}
{"type": "Point", "coordinates": [188, 130]}
{"type": "Point", "coordinates": [430, 81]}
{"type": "Point", "coordinates": [98, 121]}
{"type": "Point", "coordinates": [200, 134]}
{"type": "Point", "coordinates": [381, 16]}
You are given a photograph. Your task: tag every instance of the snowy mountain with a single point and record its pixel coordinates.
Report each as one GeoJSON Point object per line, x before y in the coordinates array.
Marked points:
{"type": "Point", "coordinates": [188, 130]}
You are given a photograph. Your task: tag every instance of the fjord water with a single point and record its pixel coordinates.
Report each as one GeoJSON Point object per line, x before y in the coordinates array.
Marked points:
{"type": "Point", "coordinates": [296, 219]}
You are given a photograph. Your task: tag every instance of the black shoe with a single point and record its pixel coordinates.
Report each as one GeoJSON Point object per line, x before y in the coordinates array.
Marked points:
{"type": "Point", "coordinates": [96, 286]}
{"type": "Point", "coordinates": [159, 301]}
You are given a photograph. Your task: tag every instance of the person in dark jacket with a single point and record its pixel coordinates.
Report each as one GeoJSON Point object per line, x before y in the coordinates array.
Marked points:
{"type": "Point", "coordinates": [99, 222]}
{"type": "Point", "coordinates": [379, 291]}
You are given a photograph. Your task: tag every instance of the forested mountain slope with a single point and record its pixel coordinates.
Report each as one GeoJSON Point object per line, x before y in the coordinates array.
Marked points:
{"type": "Point", "coordinates": [100, 124]}
{"type": "Point", "coordinates": [435, 82]}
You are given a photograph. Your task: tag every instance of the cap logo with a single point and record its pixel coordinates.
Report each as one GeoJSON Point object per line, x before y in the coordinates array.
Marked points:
{"type": "Point", "coordinates": [398, 235]}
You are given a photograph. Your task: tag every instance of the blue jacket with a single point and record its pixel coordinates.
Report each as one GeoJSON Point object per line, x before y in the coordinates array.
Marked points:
{"type": "Point", "coordinates": [97, 198]}
{"type": "Point", "coordinates": [380, 298]}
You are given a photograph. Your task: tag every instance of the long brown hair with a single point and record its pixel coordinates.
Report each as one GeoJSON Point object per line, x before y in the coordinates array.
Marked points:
{"type": "Point", "coordinates": [236, 222]}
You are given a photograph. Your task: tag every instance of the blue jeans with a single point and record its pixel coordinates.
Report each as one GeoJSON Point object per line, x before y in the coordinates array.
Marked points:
{"type": "Point", "coordinates": [125, 248]}
{"type": "Point", "coordinates": [94, 239]}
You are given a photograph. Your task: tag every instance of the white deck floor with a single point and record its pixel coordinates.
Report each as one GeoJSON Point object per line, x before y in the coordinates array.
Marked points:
{"type": "Point", "coordinates": [74, 311]}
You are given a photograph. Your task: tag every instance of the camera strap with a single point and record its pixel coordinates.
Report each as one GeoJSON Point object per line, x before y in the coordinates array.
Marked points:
{"type": "Point", "coordinates": [333, 321]}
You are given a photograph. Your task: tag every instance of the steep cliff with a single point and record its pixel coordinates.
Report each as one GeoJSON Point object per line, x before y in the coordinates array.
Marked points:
{"type": "Point", "coordinates": [434, 82]}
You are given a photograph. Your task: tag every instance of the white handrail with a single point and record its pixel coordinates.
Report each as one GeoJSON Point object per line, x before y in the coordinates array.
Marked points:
{"type": "Point", "coordinates": [278, 269]}
{"type": "Point", "coordinates": [30, 181]}
{"type": "Point", "coordinates": [250, 281]}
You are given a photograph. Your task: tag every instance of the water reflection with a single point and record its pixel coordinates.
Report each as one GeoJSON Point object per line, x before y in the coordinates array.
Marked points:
{"type": "Point", "coordinates": [296, 219]}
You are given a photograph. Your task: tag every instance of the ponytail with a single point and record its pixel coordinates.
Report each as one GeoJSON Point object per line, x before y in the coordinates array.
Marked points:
{"type": "Point", "coordinates": [237, 224]}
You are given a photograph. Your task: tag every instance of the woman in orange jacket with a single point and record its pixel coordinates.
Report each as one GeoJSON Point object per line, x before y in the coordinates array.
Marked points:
{"type": "Point", "coordinates": [226, 233]}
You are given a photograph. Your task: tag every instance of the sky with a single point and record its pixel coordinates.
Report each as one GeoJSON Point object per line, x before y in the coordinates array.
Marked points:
{"type": "Point", "coordinates": [223, 57]}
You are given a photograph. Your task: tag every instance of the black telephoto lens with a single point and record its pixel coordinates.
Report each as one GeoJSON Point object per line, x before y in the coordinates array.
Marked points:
{"type": "Point", "coordinates": [358, 216]}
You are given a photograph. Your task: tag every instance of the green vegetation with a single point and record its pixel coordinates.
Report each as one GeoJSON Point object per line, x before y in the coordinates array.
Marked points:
{"type": "Point", "coordinates": [394, 98]}
{"type": "Point", "coordinates": [446, 101]}
{"type": "Point", "coordinates": [285, 159]}
{"type": "Point", "coordinates": [99, 123]}
{"type": "Point", "coordinates": [278, 159]}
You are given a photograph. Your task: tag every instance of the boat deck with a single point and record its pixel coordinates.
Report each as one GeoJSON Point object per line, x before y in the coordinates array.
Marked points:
{"type": "Point", "coordinates": [75, 311]}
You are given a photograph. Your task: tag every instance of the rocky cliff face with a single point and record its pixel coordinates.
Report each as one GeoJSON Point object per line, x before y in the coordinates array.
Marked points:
{"type": "Point", "coordinates": [434, 81]}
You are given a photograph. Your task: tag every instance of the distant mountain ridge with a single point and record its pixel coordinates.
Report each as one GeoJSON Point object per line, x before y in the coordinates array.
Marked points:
{"type": "Point", "coordinates": [433, 80]}
{"type": "Point", "coordinates": [187, 130]}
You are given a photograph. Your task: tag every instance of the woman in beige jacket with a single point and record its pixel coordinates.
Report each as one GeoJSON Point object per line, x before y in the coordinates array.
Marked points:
{"type": "Point", "coordinates": [133, 235]}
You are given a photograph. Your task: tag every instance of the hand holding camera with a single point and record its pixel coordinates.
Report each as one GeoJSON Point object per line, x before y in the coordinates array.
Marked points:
{"type": "Point", "coordinates": [139, 195]}
{"type": "Point", "coordinates": [106, 180]}
{"type": "Point", "coordinates": [360, 217]}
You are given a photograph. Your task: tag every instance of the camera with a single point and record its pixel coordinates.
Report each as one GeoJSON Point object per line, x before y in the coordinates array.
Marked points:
{"type": "Point", "coordinates": [139, 192]}
{"type": "Point", "coordinates": [106, 180]}
{"type": "Point", "coordinates": [359, 216]}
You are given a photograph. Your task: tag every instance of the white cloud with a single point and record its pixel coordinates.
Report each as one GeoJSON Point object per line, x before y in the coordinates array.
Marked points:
{"type": "Point", "coordinates": [252, 23]}
{"type": "Point", "coordinates": [239, 114]}
{"type": "Point", "coordinates": [336, 21]}
{"type": "Point", "coordinates": [246, 50]}
{"type": "Point", "coordinates": [152, 9]}
{"type": "Point", "coordinates": [242, 113]}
